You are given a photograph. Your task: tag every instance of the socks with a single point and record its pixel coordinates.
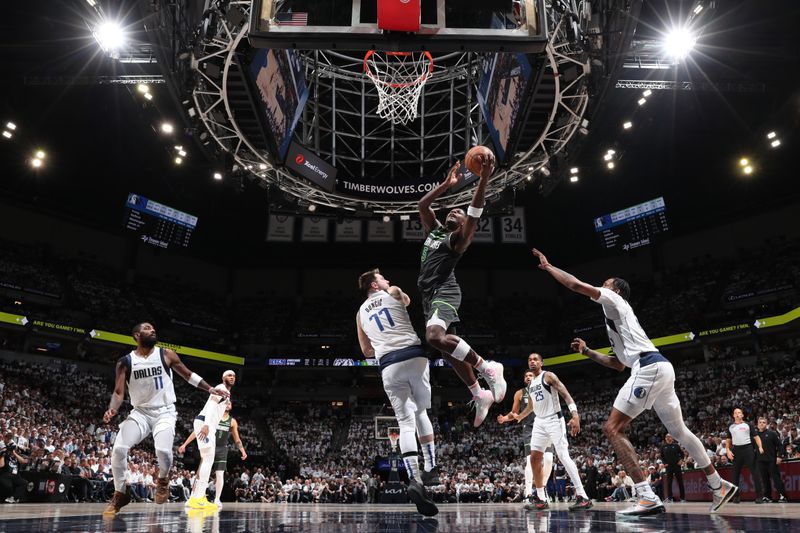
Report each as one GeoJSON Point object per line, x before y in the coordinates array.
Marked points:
{"type": "Point", "coordinates": [482, 365]}
{"type": "Point", "coordinates": [540, 493]}
{"type": "Point", "coordinates": [475, 389]}
{"type": "Point", "coordinates": [644, 489]}
{"type": "Point", "coordinates": [528, 478]}
{"type": "Point", "coordinates": [714, 481]}
{"type": "Point", "coordinates": [219, 480]}
{"type": "Point", "coordinates": [412, 468]}
{"type": "Point", "coordinates": [429, 454]}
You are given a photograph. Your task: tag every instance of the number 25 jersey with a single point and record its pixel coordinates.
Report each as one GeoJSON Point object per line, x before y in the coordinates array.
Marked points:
{"type": "Point", "coordinates": [386, 322]}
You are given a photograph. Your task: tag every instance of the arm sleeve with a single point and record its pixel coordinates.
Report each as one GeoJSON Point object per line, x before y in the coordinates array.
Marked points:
{"type": "Point", "coordinates": [610, 298]}
{"type": "Point", "coordinates": [211, 409]}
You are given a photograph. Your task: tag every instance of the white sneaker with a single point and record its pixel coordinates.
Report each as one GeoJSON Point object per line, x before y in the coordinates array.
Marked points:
{"type": "Point", "coordinates": [483, 401]}
{"type": "Point", "coordinates": [645, 505]}
{"type": "Point", "coordinates": [494, 378]}
{"type": "Point", "coordinates": [723, 495]}
{"type": "Point", "coordinates": [11, 499]}
{"type": "Point", "coordinates": [218, 504]}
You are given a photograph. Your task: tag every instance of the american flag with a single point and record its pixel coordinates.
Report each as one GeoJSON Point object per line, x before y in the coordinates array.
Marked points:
{"type": "Point", "coordinates": [292, 19]}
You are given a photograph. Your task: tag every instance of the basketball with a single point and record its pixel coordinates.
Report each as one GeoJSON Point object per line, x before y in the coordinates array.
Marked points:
{"type": "Point", "coordinates": [475, 157]}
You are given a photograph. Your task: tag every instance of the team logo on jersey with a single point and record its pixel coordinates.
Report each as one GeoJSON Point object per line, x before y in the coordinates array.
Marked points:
{"type": "Point", "coordinates": [639, 392]}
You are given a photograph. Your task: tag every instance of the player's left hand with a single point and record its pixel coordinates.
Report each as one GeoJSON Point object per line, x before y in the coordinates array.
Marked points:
{"type": "Point", "coordinates": [108, 415]}
{"type": "Point", "coordinates": [502, 419]}
{"type": "Point", "coordinates": [454, 175]}
{"type": "Point", "coordinates": [574, 424]}
{"type": "Point", "coordinates": [203, 433]}
{"type": "Point", "coordinates": [761, 450]}
{"type": "Point", "coordinates": [224, 393]}
{"type": "Point", "coordinates": [543, 262]}
{"type": "Point", "coordinates": [487, 165]}
{"type": "Point", "coordinates": [244, 455]}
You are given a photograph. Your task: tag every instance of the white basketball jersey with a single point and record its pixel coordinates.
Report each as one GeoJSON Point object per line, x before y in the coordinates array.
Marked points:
{"type": "Point", "coordinates": [214, 409]}
{"type": "Point", "coordinates": [150, 380]}
{"type": "Point", "coordinates": [626, 335]}
{"type": "Point", "coordinates": [544, 397]}
{"type": "Point", "coordinates": [386, 322]}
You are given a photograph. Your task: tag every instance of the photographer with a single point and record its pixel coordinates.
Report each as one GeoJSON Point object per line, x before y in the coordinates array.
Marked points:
{"type": "Point", "coordinates": [12, 485]}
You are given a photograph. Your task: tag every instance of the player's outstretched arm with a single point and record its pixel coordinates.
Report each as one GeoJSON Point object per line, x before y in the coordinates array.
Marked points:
{"type": "Point", "coordinates": [502, 419]}
{"type": "Point", "coordinates": [565, 278]}
{"type": "Point", "coordinates": [462, 238]}
{"type": "Point", "coordinates": [611, 361]}
{"type": "Point", "coordinates": [426, 213]}
{"type": "Point", "coordinates": [519, 417]}
{"type": "Point", "coordinates": [363, 340]}
{"type": "Point", "coordinates": [575, 423]}
{"type": "Point", "coordinates": [236, 439]}
{"type": "Point", "coordinates": [398, 294]}
{"type": "Point", "coordinates": [175, 363]}
{"type": "Point", "coordinates": [190, 438]}
{"type": "Point", "coordinates": [119, 392]}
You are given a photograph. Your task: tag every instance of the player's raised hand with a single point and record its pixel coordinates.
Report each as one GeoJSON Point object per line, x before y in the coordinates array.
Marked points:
{"type": "Point", "coordinates": [487, 165]}
{"type": "Point", "coordinates": [454, 175]}
{"type": "Point", "coordinates": [225, 393]}
{"type": "Point", "coordinates": [543, 262]}
{"type": "Point", "coordinates": [578, 345]}
{"type": "Point", "coordinates": [108, 415]}
{"type": "Point", "coordinates": [574, 424]}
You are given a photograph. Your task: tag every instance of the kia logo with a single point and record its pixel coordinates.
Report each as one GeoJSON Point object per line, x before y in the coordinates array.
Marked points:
{"type": "Point", "coordinates": [299, 159]}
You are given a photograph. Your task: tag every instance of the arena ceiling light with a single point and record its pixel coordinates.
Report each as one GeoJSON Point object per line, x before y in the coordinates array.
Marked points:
{"type": "Point", "coordinates": [217, 176]}
{"type": "Point", "coordinates": [387, 218]}
{"type": "Point", "coordinates": [608, 157]}
{"type": "Point", "coordinates": [573, 170]}
{"type": "Point", "coordinates": [143, 88]}
{"type": "Point", "coordinates": [178, 160]}
{"type": "Point", "coordinates": [770, 135]}
{"type": "Point", "coordinates": [611, 165]}
{"type": "Point", "coordinates": [647, 93]}
{"type": "Point", "coordinates": [775, 143]}
{"type": "Point", "coordinates": [7, 134]}
{"type": "Point", "coordinates": [627, 125]}
{"type": "Point", "coordinates": [110, 36]}
{"type": "Point", "coordinates": [642, 101]}
{"type": "Point", "coordinates": [167, 128]}
{"type": "Point", "coordinates": [748, 169]}
{"type": "Point", "coordinates": [181, 153]}
{"type": "Point", "coordinates": [148, 96]}
{"type": "Point", "coordinates": [573, 179]}
{"type": "Point", "coordinates": [312, 207]}
{"type": "Point", "coordinates": [36, 162]}
{"type": "Point", "coordinates": [679, 42]}
{"type": "Point", "coordinates": [11, 126]}
{"type": "Point", "coordinates": [743, 162]}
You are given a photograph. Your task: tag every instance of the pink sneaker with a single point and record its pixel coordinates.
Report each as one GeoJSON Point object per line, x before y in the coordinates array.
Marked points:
{"type": "Point", "coordinates": [483, 401]}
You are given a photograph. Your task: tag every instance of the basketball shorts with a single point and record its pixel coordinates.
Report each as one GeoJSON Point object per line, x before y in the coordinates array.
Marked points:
{"type": "Point", "coordinates": [441, 304]}
{"type": "Point", "coordinates": [408, 386]}
{"type": "Point", "coordinates": [220, 459]}
{"type": "Point", "coordinates": [547, 430]}
{"type": "Point", "coordinates": [647, 385]}
{"type": "Point", "coordinates": [210, 440]}
{"type": "Point", "coordinates": [154, 420]}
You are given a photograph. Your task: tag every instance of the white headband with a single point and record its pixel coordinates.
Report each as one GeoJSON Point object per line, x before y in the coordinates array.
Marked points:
{"type": "Point", "coordinates": [228, 372]}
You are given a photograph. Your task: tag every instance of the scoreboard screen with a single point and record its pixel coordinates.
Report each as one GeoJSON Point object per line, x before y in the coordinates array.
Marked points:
{"type": "Point", "coordinates": [157, 224]}
{"type": "Point", "coordinates": [633, 226]}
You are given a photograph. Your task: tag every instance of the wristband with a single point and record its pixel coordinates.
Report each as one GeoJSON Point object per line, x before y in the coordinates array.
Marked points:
{"type": "Point", "coordinates": [585, 350]}
{"type": "Point", "coordinates": [194, 380]}
{"type": "Point", "coordinates": [475, 212]}
{"type": "Point", "coordinates": [572, 408]}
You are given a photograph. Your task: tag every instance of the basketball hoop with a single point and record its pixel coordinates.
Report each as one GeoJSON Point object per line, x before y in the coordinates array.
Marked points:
{"type": "Point", "coordinates": [394, 438]}
{"type": "Point", "coordinates": [399, 78]}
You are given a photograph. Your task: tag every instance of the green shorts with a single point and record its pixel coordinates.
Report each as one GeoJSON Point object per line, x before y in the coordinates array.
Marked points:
{"type": "Point", "coordinates": [441, 305]}
{"type": "Point", "coordinates": [220, 460]}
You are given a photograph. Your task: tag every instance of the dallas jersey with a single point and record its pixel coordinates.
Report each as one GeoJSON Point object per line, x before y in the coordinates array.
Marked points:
{"type": "Point", "coordinates": [627, 337]}
{"type": "Point", "coordinates": [545, 398]}
{"type": "Point", "coordinates": [149, 380]}
{"type": "Point", "coordinates": [386, 323]}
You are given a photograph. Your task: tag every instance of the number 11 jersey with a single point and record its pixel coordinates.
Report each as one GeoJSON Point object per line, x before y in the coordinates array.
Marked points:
{"type": "Point", "coordinates": [386, 322]}
{"type": "Point", "coordinates": [149, 380]}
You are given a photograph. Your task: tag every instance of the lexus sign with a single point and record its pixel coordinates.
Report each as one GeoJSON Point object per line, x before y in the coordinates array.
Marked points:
{"type": "Point", "coordinates": [310, 166]}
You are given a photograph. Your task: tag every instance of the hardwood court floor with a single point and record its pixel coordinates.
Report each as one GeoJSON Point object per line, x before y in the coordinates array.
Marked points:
{"type": "Point", "coordinates": [466, 518]}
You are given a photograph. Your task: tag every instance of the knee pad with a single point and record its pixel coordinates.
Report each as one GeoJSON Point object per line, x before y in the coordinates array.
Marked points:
{"type": "Point", "coordinates": [462, 350]}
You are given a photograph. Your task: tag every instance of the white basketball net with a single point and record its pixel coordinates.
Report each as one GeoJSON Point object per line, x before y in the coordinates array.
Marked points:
{"type": "Point", "coordinates": [399, 78]}
{"type": "Point", "coordinates": [394, 438]}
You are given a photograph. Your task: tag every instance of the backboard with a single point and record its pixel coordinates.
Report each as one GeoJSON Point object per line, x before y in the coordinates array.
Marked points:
{"type": "Point", "coordinates": [446, 26]}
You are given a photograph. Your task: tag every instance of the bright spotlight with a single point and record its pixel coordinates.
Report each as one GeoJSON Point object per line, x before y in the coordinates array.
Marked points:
{"type": "Point", "coordinates": [7, 134]}
{"type": "Point", "coordinates": [607, 157]}
{"type": "Point", "coordinates": [647, 93]}
{"type": "Point", "coordinates": [775, 143]}
{"type": "Point", "coordinates": [698, 8]}
{"type": "Point", "coordinates": [611, 165]}
{"type": "Point", "coordinates": [387, 218]}
{"type": "Point", "coordinates": [611, 151]}
{"type": "Point", "coordinates": [262, 166]}
{"type": "Point", "coordinates": [748, 169]}
{"type": "Point", "coordinates": [110, 36]}
{"type": "Point", "coordinates": [178, 160]}
{"type": "Point", "coordinates": [743, 162]}
{"type": "Point", "coordinates": [11, 126]}
{"type": "Point", "coordinates": [627, 125]}
{"type": "Point", "coordinates": [573, 179]}
{"type": "Point", "coordinates": [166, 127]}
{"type": "Point", "coordinates": [312, 207]}
{"type": "Point", "coordinates": [679, 42]}
{"type": "Point", "coordinates": [217, 176]}
{"type": "Point", "coordinates": [642, 101]}
{"type": "Point", "coordinates": [36, 163]}
{"type": "Point", "coordinates": [143, 88]}
{"type": "Point", "coordinates": [40, 154]}
{"type": "Point", "coordinates": [148, 96]}
{"type": "Point", "coordinates": [770, 135]}
{"type": "Point", "coordinates": [181, 153]}
{"type": "Point", "coordinates": [529, 178]}
{"type": "Point", "coordinates": [573, 170]}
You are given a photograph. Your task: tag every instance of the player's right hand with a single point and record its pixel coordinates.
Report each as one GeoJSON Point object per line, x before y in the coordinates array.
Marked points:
{"type": "Point", "coordinates": [574, 425]}
{"type": "Point", "coordinates": [502, 419]}
{"type": "Point", "coordinates": [108, 415]}
{"type": "Point", "coordinates": [181, 449]}
{"type": "Point", "coordinates": [224, 393]}
{"type": "Point", "coordinates": [543, 262]}
{"type": "Point", "coordinates": [578, 345]}
{"type": "Point", "coordinates": [730, 455]}
{"type": "Point", "coordinates": [454, 175]}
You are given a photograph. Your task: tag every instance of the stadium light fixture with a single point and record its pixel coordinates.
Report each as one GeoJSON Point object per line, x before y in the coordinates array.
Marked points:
{"type": "Point", "coordinates": [36, 162]}
{"type": "Point", "coordinates": [217, 176]}
{"type": "Point", "coordinates": [7, 134]}
{"type": "Point", "coordinates": [312, 207]}
{"type": "Point", "coordinates": [143, 88]}
{"type": "Point", "coordinates": [607, 157]}
{"type": "Point", "coordinates": [748, 169]}
{"type": "Point", "coordinates": [110, 36]}
{"type": "Point", "coordinates": [262, 166]}
{"type": "Point", "coordinates": [573, 170]}
{"type": "Point", "coordinates": [697, 9]}
{"type": "Point", "coordinates": [92, 3]}
{"type": "Point", "coordinates": [611, 151]}
{"type": "Point", "coordinates": [178, 160]}
{"type": "Point", "coordinates": [167, 128]}
{"type": "Point", "coordinates": [647, 93]}
{"type": "Point", "coordinates": [11, 126]}
{"type": "Point", "coordinates": [642, 101]}
{"type": "Point", "coordinates": [387, 218]}
{"type": "Point", "coordinates": [743, 162]}
{"type": "Point", "coordinates": [679, 42]}
{"type": "Point", "coordinates": [770, 135]}
{"type": "Point", "coordinates": [181, 153]}
{"type": "Point", "coordinates": [611, 165]}
{"type": "Point", "coordinates": [148, 96]}
{"type": "Point", "coordinates": [529, 178]}
{"type": "Point", "coordinates": [545, 170]}
{"type": "Point", "coordinates": [40, 154]}
{"type": "Point", "coordinates": [573, 179]}
{"type": "Point", "coordinates": [775, 143]}
{"type": "Point", "coordinates": [627, 125]}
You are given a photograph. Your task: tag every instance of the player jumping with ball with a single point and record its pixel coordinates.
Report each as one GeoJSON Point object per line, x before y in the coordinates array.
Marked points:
{"type": "Point", "coordinates": [441, 294]}
{"type": "Point", "coordinates": [651, 385]}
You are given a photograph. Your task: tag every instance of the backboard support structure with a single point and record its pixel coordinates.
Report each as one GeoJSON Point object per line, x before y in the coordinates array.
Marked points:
{"type": "Point", "coordinates": [446, 26]}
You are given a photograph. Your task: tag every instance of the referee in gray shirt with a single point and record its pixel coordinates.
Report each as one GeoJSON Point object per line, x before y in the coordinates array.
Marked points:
{"type": "Point", "coordinates": [742, 436]}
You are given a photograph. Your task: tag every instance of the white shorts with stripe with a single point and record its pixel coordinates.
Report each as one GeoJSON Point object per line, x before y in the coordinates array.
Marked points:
{"type": "Point", "coordinates": [408, 386]}
{"type": "Point", "coordinates": [547, 431]}
{"type": "Point", "coordinates": [649, 386]}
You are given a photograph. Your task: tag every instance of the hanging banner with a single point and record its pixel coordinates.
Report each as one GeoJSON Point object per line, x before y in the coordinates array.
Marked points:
{"type": "Point", "coordinates": [413, 230]}
{"type": "Point", "coordinates": [378, 231]}
{"type": "Point", "coordinates": [315, 229]}
{"type": "Point", "coordinates": [485, 231]}
{"type": "Point", "coordinates": [281, 228]}
{"type": "Point", "coordinates": [513, 227]}
{"type": "Point", "coordinates": [348, 231]}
